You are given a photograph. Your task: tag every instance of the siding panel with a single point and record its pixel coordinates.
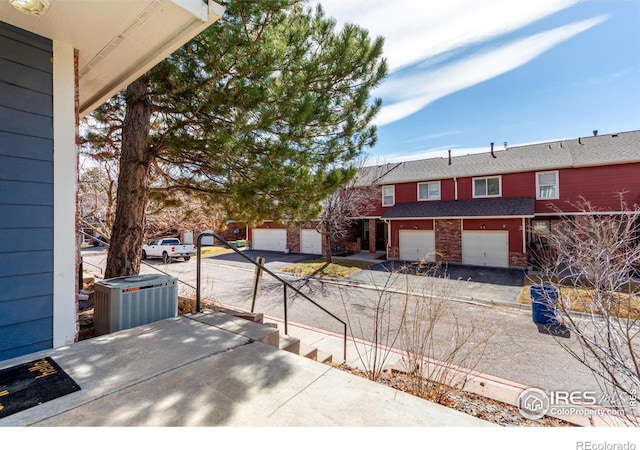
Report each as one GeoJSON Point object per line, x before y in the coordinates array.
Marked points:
{"type": "Point", "coordinates": [24, 99]}
{"type": "Point", "coordinates": [18, 240]}
{"type": "Point", "coordinates": [14, 352]}
{"type": "Point", "coordinates": [25, 286]}
{"type": "Point", "coordinates": [26, 193]}
{"type": "Point", "coordinates": [24, 263]}
{"type": "Point", "coordinates": [19, 75]}
{"type": "Point", "coordinates": [25, 216]}
{"type": "Point", "coordinates": [26, 309]}
{"type": "Point", "coordinates": [20, 193]}
{"type": "Point", "coordinates": [20, 122]}
{"type": "Point", "coordinates": [26, 334]}
{"type": "Point", "coordinates": [20, 169]}
{"type": "Point", "coordinates": [30, 52]}
{"type": "Point", "coordinates": [29, 147]}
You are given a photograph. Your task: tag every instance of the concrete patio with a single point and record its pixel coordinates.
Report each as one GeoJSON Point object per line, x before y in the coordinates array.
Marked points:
{"type": "Point", "coordinates": [211, 369]}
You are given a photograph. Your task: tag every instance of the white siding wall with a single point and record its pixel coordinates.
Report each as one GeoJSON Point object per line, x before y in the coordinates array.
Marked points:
{"type": "Point", "coordinates": [64, 212]}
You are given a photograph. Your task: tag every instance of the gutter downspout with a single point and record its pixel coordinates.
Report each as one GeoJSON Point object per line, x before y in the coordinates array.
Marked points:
{"type": "Point", "coordinates": [455, 188]}
{"type": "Point", "coordinates": [388, 222]}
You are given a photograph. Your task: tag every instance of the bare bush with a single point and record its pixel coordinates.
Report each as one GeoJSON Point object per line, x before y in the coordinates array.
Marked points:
{"type": "Point", "coordinates": [413, 314]}
{"type": "Point", "coordinates": [435, 341]}
{"type": "Point", "coordinates": [379, 325]}
{"type": "Point", "coordinates": [594, 272]}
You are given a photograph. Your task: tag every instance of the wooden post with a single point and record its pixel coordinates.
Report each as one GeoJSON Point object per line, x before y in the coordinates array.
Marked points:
{"type": "Point", "coordinates": [256, 281]}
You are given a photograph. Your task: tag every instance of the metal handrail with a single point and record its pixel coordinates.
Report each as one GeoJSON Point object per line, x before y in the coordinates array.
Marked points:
{"type": "Point", "coordinates": [285, 283]}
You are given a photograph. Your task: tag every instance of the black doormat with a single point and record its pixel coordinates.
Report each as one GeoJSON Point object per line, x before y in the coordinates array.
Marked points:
{"type": "Point", "coordinates": [30, 384]}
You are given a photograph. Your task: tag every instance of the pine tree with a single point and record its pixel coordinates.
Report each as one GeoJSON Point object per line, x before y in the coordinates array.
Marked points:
{"type": "Point", "coordinates": [254, 115]}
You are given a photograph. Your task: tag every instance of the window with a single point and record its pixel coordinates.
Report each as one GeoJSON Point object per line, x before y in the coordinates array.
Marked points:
{"type": "Point", "coordinates": [540, 226]}
{"type": "Point", "coordinates": [547, 185]}
{"type": "Point", "coordinates": [487, 187]}
{"type": "Point", "coordinates": [429, 191]}
{"type": "Point", "coordinates": [388, 195]}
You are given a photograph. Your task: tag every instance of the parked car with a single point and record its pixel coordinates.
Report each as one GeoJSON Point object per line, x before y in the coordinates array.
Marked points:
{"type": "Point", "coordinates": [168, 249]}
{"type": "Point", "coordinates": [98, 241]}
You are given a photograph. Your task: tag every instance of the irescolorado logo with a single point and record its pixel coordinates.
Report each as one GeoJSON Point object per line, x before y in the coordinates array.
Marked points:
{"type": "Point", "coordinates": [533, 403]}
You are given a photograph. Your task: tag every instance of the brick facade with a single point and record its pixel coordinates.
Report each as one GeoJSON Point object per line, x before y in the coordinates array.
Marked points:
{"type": "Point", "coordinates": [293, 240]}
{"type": "Point", "coordinates": [233, 231]}
{"type": "Point", "coordinates": [79, 239]}
{"type": "Point", "coordinates": [372, 235]}
{"type": "Point", "coordinates": [518, 259]}
{"type": "Point", "coordinates": [448, 236]}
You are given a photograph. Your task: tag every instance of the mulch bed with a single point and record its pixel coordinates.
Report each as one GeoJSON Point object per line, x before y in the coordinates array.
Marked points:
{"type": "Point", "coordinates": [475, 405]}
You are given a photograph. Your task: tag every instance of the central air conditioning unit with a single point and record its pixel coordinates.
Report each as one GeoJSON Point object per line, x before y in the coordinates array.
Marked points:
{"type": "Point", "coordinates": [130, 301]}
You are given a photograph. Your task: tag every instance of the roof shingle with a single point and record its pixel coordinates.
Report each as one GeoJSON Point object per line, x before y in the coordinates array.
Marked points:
{"type": "Point", "coordinates": [608, 149]}
{"type": "Point", "coordinates": [486, 207]}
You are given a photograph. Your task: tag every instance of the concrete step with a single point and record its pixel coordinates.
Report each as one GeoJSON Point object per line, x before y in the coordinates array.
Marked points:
{"type": "Point", "coordinates": [308, 351]}
{"type": "Point", "coordinates": [324, 357]}
{"type": "Point", "coordinates": [251, 330]}
{"type": "Point", "coordinates": [242, 314]}
{"type": "Point", "coordinates": [290, 344]}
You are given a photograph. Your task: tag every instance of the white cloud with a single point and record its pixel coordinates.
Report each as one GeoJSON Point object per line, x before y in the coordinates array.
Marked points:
{"type": "Point", "coordinates": [416, 30]}
{"type": "Point", "coordinates": [425, 30]}
{"type": "Point", "coordinates": [406, 95]}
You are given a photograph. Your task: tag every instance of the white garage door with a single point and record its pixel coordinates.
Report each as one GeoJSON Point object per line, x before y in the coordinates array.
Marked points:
{"type": "Point", "coordinates": [207, 240]}
{"type": "Point", "coordinates": [417, 245]}
{"type": "Point", "coordinates": [310, 242]}
{"type": "Point", "coordinates": [485, 248]}
{"type": "Point", "coordinates": [269, 239]}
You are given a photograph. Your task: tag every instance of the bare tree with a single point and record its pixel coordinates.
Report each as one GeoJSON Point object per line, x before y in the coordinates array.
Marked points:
{"type": "Point", "coordinates": [594, 270]}
{"type": "Point", "coordinates": [169, 213]}
{"type": "Point", "coordinates": [97, 196]}
{"type": "Point", "coordinates": [355, 200]}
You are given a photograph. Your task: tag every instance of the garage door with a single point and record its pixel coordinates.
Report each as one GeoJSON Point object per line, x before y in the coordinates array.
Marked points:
{"type": "Point", "coordinates": [417, 245]}
{"type": "Point", "coordinates": [268, 239]}
{"type": "Point", "coordinates": [310, 242]}
{"type": "Point", "coordinates": [207, 240]}
{"type": "Point", "coordinates": [485, 248]}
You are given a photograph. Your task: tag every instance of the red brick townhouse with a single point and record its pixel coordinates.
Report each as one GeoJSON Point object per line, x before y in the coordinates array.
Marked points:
{"type": "Point", "coordinates": [479, 209]}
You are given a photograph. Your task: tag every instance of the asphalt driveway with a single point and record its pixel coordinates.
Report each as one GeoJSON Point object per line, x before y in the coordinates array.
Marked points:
{"type": "Point", "coordinates": [488, 275]}
{"type": "Point", "coordinates": [477, 274]}
{"type": "Point", "coordinates": [273, 260]}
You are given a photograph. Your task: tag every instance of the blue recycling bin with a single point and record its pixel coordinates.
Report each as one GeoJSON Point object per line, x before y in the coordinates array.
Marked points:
{"type": "Point", "coordinates": [543, 300]}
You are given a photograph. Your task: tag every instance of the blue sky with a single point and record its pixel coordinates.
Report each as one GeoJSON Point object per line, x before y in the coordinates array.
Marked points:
{"type": "Point", "coordinates": [465, 73]}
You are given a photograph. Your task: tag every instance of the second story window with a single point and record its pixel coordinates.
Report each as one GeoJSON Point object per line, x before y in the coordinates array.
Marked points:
{"type": "Point", "coordinates": [388, 195]}
{"type": "Point", "coordinates": [429, 191]}
{"type": "Point", "coordinates": [547, 185]}
{"type": "Point", "coordinates": [487, 187]}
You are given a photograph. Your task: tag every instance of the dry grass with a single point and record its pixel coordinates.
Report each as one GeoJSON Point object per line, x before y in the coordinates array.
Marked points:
{"type": "Point", "coordinates": [339, 268]}
{"type": "Point", "coordinates": [579, 298]}
{"type": "Point", "coordinates": [214, 251]}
